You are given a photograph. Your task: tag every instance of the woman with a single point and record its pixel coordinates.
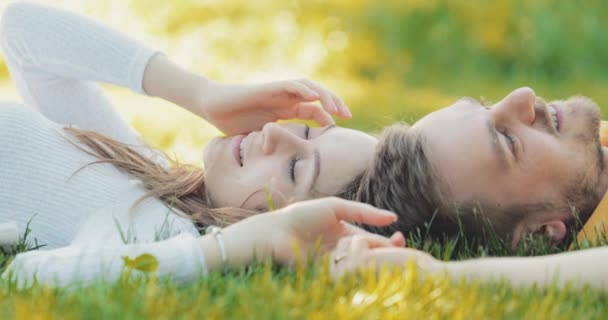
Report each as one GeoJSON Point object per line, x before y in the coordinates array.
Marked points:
{"type": "Point", "coordinates": [92, 215]}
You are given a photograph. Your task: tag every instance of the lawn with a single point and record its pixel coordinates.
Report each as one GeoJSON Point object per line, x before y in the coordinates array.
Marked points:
{"type": "Point", "coordinates": [265, 291]}
{"type": "Point", "coordinates": [392, 61]}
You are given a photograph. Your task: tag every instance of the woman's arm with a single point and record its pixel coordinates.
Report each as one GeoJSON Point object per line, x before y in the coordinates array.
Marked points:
{"type": "Point", "coordinates": [55, 57]}
{"type": "Point", "coordinates": [241, 108]}
{"type": "Point", "coordinates": [179, 258]}
{"type": "Point", "coordinates": [313, 226]}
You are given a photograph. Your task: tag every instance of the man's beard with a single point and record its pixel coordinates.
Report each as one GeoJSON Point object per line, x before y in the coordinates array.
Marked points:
{"type": "Point", "coordinates": [585, 194]}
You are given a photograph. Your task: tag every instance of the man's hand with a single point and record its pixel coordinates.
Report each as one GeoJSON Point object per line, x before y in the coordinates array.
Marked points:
{"type": "Point", "coordinates": [363, 251]}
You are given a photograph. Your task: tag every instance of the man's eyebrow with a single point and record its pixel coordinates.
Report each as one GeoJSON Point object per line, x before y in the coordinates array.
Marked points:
{"type": "Point", "coordinates": [498, 150]}
{"type": "Point", "coordinates": [469, 99]}
{"type": "Point", "coordinates": [317, 162]}
{"type": "Point", "coordinates": [478, 102]}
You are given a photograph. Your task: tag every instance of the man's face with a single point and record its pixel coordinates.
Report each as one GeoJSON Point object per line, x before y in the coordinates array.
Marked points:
{"type": "Point", "coordinates": [520, 151]}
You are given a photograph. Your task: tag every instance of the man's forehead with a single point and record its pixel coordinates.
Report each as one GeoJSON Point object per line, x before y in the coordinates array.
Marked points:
{"type": "Point", "coordinates": [458, 145]}
{"type": "Point", "coordinates": [456, 111]}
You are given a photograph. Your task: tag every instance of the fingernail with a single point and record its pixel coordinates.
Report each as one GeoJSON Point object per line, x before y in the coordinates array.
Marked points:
{"type": "Point", "coordinates": [390, 213]}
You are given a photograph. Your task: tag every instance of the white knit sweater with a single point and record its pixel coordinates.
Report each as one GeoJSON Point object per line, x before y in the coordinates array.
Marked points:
{"type": "Point", "coordinates": [55, 59]}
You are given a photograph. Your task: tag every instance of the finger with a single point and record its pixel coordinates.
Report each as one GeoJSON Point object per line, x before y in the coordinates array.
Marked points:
{"type": "Point", "coordinates": [341, 109]}
{"type": "Point", "coordinates": [397, 239]}
{"type": "Point", "coordinates": [353, 230]}
{"type": "Point", "coordinates": [344, 112]}
{"type": "Point", "coordinates": [363, 242]}
{"type": "Point", "coordinates": [299, 90]}
{"type": "Point", "coordinates": [324, 95]}
{"type": "Point", "coordinates": [312, 111]}
{"type": "Point", "coordinates": [352, 211]}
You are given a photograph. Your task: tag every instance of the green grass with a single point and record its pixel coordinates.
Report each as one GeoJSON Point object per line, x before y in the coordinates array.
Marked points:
{"type": "Point", "coordinates": [403, 59]}
{"type": "Point", "coordinates": [307, 294]}
{"type": "Point", "coordinates": [265, 291]}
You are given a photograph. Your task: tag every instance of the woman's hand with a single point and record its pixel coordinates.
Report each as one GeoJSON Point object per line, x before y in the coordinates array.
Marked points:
{"type": "Point", "coordinates": [313, 227]}
{"type": "Point", "coordinates": [319, 224]}
{"type": "Point", "coordinates": [363, 251]}
{"type": "Point", "coordinates": [238, 109]}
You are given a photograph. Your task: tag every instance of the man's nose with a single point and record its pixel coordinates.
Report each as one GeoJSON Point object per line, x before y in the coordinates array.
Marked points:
{"type": "Point", "coordinates": [517, 105]}
{"type": "Point", "coordinates": [277, 137]}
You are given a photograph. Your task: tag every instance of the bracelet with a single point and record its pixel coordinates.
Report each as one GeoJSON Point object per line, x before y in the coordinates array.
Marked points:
{"type": "Point", "coordinates": [216, 232]}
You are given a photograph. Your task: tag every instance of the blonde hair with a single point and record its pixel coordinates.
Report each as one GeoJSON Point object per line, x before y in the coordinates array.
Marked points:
{"type": "Point", "coordinates": [180, 186]}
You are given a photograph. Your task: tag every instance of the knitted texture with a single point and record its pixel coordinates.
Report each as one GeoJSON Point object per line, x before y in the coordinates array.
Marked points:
{"type": "Point", "coordinates": [55, 58]}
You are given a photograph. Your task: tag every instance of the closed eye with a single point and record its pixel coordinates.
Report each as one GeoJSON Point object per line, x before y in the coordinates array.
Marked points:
{"type": "Point", "coordinates": [292, 169]}
{"type": "Point", "coordinates": [293, 161]}
{"type": "Point", "coordinates": [509, 139]}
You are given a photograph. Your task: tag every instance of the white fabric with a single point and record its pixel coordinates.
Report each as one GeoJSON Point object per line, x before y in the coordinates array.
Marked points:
{"type": "Point", "coordinates": [9, 234]}
{"type": "Point", "coordinates": [55, 58]}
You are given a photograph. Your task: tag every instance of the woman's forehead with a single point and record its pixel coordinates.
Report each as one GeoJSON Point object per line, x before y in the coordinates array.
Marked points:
{"type": "Point", "coordinates": [344, 154]}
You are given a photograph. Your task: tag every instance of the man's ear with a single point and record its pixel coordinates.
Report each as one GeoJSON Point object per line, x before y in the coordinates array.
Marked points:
{"type": "Point", "coordinates": [555, 229]}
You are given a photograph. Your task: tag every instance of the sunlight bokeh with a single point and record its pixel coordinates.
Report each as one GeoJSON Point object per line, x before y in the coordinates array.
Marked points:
{"type": "Point", "coordinates": [390, 61]}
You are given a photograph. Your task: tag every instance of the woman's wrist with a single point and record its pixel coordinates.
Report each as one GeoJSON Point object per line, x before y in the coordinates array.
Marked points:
{"type": "Point", "coordinates": [243, 243]}
{"type": "Point", "coordinates": [165, 79]}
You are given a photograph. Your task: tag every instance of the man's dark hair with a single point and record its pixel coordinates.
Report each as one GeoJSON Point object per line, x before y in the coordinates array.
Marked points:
{"type": "Point", "coordinates": [402, 179]}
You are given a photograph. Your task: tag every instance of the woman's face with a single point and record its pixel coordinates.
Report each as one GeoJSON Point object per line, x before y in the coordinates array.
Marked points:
{"type": "Point", "coordinates": [289, 162]}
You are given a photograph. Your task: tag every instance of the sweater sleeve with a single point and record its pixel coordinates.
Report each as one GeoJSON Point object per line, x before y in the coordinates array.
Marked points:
{"type": "Point", "coordinates": [55, 58]}
{"type": "Point", "coordinates": [180, 259]}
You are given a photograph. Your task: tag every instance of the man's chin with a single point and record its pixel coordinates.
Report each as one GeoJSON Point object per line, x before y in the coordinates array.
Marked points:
{"type": "Point", "coordinates": [589, 114]}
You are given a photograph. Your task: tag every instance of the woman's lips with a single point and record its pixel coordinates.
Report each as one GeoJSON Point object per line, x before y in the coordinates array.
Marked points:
{"type": "Point", "coordinates": [236, 148]}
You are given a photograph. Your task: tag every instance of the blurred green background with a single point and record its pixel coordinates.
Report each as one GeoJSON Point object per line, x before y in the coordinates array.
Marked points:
{"type": "Point", "coordinates": [389, 60]}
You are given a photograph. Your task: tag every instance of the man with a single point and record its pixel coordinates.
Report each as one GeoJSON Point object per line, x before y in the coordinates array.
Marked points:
{"type": "Point", "coordinates": [523, 165]}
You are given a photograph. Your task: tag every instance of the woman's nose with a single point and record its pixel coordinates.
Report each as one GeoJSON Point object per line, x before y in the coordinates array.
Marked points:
{"type": "Point", "coordinates": [517, 105]}
{"type": "Point", "coordinates": [277, 137]}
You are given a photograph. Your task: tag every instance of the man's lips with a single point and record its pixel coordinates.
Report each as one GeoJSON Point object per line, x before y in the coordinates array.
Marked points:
{"type": "Point", "coordinates": [560, 117]}
{"type": "Point", "coordinates": [554, 114]}
{"type": "Point", "coordinates": [236, 148]}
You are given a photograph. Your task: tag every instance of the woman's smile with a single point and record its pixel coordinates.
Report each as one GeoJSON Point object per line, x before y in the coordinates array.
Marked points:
{"type": "Point", "coordinates": [237, 148]}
